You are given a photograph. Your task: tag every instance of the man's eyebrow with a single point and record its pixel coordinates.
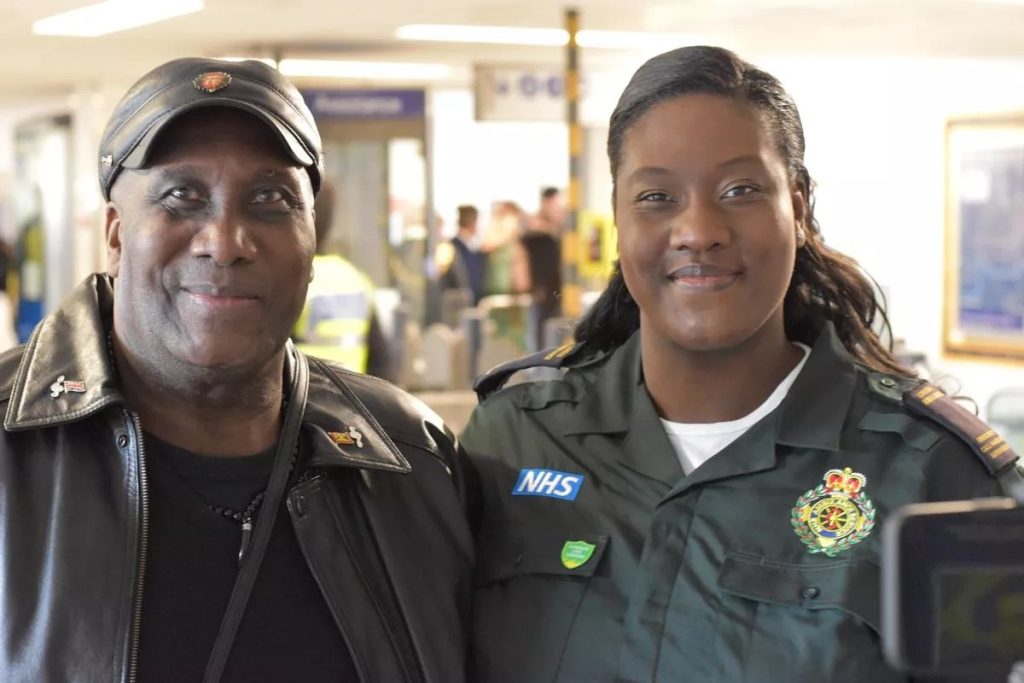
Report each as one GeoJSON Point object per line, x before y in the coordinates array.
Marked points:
{"type": "Point", "coordinates": [174, 171]}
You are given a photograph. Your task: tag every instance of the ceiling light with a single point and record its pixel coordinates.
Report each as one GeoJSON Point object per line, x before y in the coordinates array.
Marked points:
{"type": "Point", "coordinates": [554, 37]}
{"type": "Point", "coordinates": [112, 16]}
{"type": "Point", "coordinates": [501, 35]}
{"type": "Point", "coordinates": [328, 68]}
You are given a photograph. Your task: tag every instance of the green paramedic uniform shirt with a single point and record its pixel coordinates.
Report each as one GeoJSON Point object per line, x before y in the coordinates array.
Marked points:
{"type": "Point", "coordinates": [598, 560]}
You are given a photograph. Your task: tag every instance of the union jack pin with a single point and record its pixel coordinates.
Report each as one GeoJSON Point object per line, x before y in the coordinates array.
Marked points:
{"type": "Point", "coordinates": [66, 386]}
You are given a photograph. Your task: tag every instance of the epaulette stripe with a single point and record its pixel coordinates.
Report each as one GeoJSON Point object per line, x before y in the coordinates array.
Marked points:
{"type": "Point", "coordinates": [495, 378]}
{"type": "Point", "coordinates": [928, 401]}
{"type": "Point", "coordinates": [560, 352]}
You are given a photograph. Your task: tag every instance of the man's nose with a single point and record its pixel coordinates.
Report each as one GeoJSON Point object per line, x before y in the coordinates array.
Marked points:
{"type": "Point", "coordinates": [700, 225]}
{"type": "Point", "coordinates": [226, 238]}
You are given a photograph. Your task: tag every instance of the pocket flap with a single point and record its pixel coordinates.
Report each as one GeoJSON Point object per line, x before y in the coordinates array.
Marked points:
{"type": "Point", "coordinates": [849, 585]}
{"type": "Point", "coordinates": [504, 555]}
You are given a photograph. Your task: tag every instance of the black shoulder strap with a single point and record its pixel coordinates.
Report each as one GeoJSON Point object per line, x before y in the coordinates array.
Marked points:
{"type": "Point", "coordinates": [929, 401]}
{"type": "Point", "coordinates": [495, 378]}
{"type": "Point", "coordinates": [276, 485]}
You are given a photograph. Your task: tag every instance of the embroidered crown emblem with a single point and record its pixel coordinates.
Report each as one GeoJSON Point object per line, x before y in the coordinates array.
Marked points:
{"type": "Point", "coordinates": [834, 515]}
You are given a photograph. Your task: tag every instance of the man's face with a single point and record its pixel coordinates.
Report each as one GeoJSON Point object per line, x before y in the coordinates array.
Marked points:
{"type": "Point", "coordinates": [211, 246]}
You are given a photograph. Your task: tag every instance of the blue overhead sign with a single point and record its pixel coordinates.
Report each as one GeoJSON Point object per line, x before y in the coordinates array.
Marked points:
{"type": "Point", "coordinates": [366, 104]}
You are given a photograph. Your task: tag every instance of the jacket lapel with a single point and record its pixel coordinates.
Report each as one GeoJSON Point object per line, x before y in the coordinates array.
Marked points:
{"type": "Point", "coordinates": [65, 373]}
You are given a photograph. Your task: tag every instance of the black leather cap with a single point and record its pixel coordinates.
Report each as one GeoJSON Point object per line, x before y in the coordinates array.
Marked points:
{"type": "Point", "coordinates": [182, 85]}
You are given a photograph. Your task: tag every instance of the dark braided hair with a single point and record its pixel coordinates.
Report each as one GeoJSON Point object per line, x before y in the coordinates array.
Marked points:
{"type": "Point", "coordinates": [825, 286]}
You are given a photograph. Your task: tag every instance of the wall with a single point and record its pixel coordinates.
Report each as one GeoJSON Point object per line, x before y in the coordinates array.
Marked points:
{"type": "Point", "coordinates": [82, 250]}
{"type": "Point", "coordinates": [876, 132]}
{"type": "Point", "coordinates": [482, 162]}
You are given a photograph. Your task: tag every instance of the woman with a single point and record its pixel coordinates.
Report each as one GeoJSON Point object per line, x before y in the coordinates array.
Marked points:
{"type": "Point", "coordinates": [699, 497]}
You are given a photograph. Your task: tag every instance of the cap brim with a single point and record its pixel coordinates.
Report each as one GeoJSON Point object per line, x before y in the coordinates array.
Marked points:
{"type": "Point", "coordinates": [139, 156]}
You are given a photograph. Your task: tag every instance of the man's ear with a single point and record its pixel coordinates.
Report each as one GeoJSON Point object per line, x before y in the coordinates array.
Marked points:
{"type": "Point", "coordinates": [113, 227]}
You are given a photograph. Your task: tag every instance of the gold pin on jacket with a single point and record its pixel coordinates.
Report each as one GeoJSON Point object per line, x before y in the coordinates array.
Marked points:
{"type": "Point", "coordinates": [834, 515]}
{"type": "Point", "coordinates": [352, 437]}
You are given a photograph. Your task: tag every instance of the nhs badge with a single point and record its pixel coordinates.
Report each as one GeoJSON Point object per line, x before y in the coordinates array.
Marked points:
{"type": "Point", "coordinates": [548, 483]}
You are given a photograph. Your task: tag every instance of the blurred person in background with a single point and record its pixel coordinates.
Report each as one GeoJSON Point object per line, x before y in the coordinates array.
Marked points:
{"type": "Point", "coordinates": [551, 213]}
{"type": "Point", "coordinates": [542, 249]}
{"type": "Point", "coordinates": [505, 271]}
{"type": "Point", "coordinates": [339, 321]}
{"type": "Point", "coordinates": [466, 262]}
{"type": "Point", "coordinates": [185, 496]}
{"type": "Point", "coordinates": [700, 496]}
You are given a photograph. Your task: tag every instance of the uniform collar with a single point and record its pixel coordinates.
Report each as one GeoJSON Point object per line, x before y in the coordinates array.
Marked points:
{"type": "Point", "coordinates": [610, 393]}
{"type": "Point", "coordinates": [815, 408]}
{"type": "Point", "coordinates": [615, 400]}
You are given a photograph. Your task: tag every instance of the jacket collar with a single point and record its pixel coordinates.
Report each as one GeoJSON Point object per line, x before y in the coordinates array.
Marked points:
{"type": "Point", "coordinates": [812, 414]}
{"type": "Point", "coordinates": [815, 408]}
{"type": "Point", "coordinates": [65, 372]}
{"type": "Point", "coordinates": [65, 375]}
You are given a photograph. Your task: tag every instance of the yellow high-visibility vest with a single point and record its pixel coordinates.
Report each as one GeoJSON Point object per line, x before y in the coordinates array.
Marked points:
{"type": "Point", "coordinates": [335, 321]}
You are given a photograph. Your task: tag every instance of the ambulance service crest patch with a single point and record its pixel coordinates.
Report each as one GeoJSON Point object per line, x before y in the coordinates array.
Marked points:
{"type": "Point", "coordinates": [836, 514]}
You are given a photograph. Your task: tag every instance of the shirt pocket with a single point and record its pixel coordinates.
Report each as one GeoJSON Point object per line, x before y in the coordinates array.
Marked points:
{"type": "Point", "coordinates": [799, 622]}
{"type": "Point", "coordinates": [526, 599]}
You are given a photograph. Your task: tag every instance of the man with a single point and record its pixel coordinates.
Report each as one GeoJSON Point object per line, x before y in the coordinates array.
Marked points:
{"type": "Point", "coordinates": [467, 266]}
{"type": "Point", "coordinates": [183, 495]}
{"type": "Point", "coordinates": [542, 246]}
{"type": "Point", "coordinates": [339, 321]}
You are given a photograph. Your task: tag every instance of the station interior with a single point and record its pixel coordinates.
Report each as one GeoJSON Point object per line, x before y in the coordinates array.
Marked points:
{"type": "Point", "coordinates": [428, 106]}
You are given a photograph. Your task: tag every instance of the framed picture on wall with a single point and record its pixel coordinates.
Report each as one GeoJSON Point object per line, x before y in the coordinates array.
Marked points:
{"type": "Point", "coordinates": [984, 294]}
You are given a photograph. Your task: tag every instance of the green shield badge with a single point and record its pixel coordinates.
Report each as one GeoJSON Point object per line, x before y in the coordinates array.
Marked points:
{"type": "Point", "coordinates": [576, 553]}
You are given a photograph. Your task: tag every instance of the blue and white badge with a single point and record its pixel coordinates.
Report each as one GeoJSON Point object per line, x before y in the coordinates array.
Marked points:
{"type": "Point", "coordinates": [548, 483]}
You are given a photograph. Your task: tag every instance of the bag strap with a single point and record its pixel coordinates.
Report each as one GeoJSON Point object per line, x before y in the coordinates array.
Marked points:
{"type": "Point", "coordinates": [250, 566]}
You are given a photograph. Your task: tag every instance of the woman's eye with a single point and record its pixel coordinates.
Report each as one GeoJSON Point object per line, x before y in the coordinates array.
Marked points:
{"type": "Point", "coordinates": [739, 191]}
{"type": "Point", "coordinates": [654, 196]}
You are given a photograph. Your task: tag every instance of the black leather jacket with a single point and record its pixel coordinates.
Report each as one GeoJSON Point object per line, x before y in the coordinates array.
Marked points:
{"type": "Point", "coordinates": [382, 524]}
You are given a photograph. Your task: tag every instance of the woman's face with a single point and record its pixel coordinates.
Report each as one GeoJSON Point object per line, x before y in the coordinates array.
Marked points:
{"type": "Point", "coordinates": [707, 221]}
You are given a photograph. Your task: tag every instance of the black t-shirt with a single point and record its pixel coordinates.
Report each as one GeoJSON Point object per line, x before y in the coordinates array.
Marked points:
{"type": "Point", "coordinates": [287, 633]}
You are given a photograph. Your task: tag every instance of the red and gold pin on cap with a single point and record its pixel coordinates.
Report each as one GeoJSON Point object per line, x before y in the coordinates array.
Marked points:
{"type": "Point", "coordinates": [834, 515]}
{"type": "Point", "coordinates": [212, 81]}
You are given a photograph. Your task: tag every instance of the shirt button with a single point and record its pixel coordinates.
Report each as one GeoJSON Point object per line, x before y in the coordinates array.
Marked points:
{"type": "Point", "coordinates": [811, 592]}
{"type": "Point", "coordinates": [887, 382]}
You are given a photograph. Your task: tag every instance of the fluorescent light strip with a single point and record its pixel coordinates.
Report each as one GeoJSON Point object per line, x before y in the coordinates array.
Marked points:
{"type": "Point", "coordinates": [329, 68]}
{"type": "Point", "coordinates": [112, 16]}
{"type": "Point", "coordinates": [500, 35]}
{"type": "Point", "coordinates": [553, 37]}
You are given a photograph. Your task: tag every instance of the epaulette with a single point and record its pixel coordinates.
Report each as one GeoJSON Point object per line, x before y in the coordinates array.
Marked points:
{"type": "Point", "coordinates": [495, 378]}
{"type": "Point", "coordinates": [929, 401]}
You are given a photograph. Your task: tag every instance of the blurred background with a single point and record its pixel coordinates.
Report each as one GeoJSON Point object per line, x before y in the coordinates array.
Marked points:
{"type": "Point", "coordinates": [913, 111]}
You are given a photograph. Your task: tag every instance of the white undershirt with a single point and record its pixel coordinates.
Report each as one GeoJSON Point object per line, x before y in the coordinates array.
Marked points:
{"type": "Point", "coordinates": [695, 443]}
